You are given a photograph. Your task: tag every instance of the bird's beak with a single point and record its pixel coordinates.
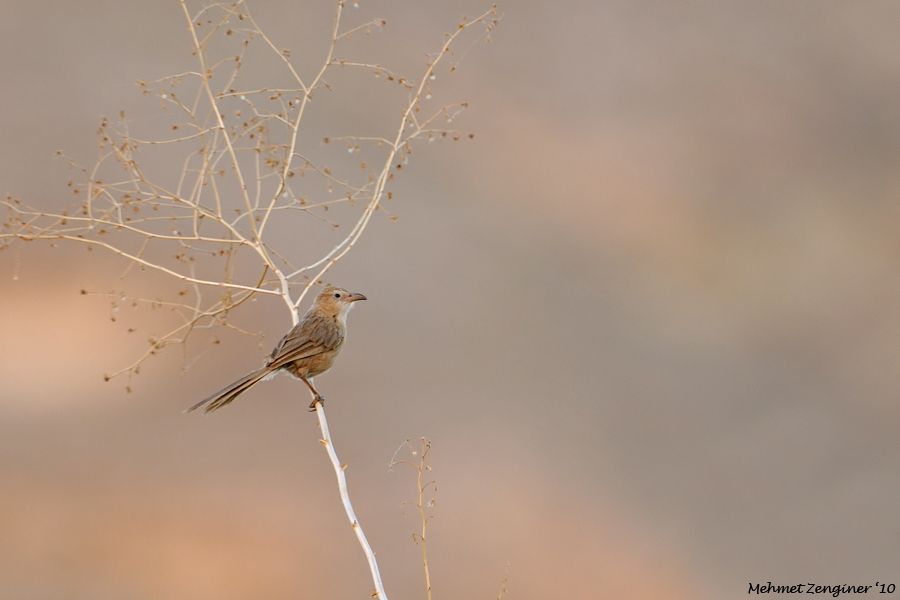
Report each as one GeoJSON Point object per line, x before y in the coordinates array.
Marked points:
{"type": "Point", "coordinates": [354, 297]}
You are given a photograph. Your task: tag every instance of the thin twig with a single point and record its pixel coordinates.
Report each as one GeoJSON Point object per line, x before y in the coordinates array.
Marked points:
{"type": "Point", "coordinates": [348, 506]}
{"type": "Point", "coordinates": [419, 463]}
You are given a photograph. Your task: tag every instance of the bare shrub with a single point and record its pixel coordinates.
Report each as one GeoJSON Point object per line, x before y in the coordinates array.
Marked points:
{"type": "Point", "coordinates": [210, 202]}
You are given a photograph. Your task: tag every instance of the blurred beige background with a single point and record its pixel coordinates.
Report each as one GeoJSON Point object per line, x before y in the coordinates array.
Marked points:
{"type": "Point", "coordinates": [649, 319]}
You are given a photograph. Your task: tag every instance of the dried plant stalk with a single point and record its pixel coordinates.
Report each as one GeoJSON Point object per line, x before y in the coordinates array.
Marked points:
{"type": "Point", "coordinates": [348, 507]}
{"type": "Point", "coordinates": [426, 489]}
{"type": "Point", "coordinates": [241, 171]}
{"type": "Point", "coordinates": [415, 455]}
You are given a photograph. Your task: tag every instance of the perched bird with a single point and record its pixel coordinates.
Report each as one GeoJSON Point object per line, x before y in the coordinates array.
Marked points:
{"type": "Point", "coordinates": [307, 350]}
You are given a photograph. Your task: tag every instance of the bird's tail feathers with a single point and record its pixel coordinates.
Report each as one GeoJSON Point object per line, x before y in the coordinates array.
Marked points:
{"type": "Point", "coordinates": [226, 395]}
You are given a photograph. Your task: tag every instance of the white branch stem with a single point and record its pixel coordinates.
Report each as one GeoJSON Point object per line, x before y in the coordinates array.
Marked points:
{"type": "Point", "coordinates": [146, 263]}
{"type": "Point", "coordinates": [348, 507]}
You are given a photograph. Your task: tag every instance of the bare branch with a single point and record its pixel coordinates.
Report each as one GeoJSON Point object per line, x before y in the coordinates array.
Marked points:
{"type": "Point", "coordinates": [345, 499]}
{"type": "Point", "coordinates": [350, 240]}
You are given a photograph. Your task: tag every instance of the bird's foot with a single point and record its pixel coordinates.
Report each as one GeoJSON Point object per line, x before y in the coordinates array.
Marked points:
{"type": "Point", "coordinates": [316, 400]}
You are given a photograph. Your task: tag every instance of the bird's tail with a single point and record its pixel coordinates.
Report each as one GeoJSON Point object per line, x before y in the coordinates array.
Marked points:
{"type": "Point", "coordinates": [223, 397]}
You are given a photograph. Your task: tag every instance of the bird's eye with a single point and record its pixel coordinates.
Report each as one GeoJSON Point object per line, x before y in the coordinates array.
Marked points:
{"type": "Point", "coordinates": [337, 294]}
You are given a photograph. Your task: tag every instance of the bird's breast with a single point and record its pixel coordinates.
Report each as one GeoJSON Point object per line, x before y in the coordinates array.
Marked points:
{"type": "Point", "coordinates": [314, 365]}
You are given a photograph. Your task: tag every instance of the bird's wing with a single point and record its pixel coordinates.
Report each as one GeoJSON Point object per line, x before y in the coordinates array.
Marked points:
{"type": "Point", "coordinates": [314, 335]}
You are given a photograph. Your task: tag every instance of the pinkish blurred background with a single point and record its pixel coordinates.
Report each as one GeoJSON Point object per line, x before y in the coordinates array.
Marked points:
{"type": "Point", "coordinates": [649, 318]}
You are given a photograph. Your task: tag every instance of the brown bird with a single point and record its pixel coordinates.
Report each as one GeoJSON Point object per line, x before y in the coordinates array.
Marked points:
{"type": "Point", "coordinates": [307, 350]}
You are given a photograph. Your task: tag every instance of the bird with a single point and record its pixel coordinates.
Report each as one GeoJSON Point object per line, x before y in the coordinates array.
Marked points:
{"type": "Point", "coordinates": [307, 350]}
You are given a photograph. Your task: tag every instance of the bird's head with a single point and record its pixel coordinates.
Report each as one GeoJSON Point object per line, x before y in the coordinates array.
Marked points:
{"type": "Point", "coordinates": [337, 301]}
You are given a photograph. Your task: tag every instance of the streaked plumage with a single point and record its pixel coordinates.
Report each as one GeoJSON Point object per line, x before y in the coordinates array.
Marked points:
{"type": "Point", "coordinates": [307, 350]}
